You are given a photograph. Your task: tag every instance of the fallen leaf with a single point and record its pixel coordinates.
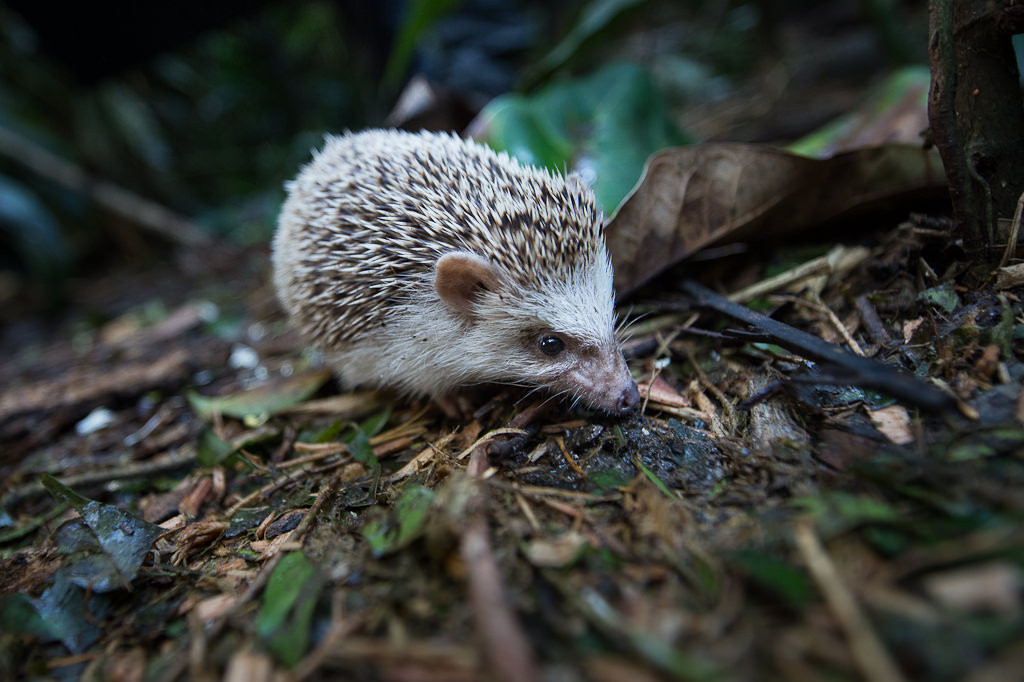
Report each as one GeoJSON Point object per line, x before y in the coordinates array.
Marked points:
{"type": "Point", "coordinates": [659, 391]}
{"type": "Point", "coordinates": [894, 423]}
{"type": "Point", "coordinates": [691, 197]}
{"type": "Point", "coordinates": [263, 401]}
{"type": "Point", "coordinates": [288, 601]}
{"type": "Point", "coordinates": [249, 666]}
{"type": "Point", "coordinates": [910, 327]}
{"type": "Point", "coordinates": [109, 543]}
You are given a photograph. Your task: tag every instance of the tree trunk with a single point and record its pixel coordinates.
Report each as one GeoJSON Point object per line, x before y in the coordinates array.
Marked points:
{"type": "Point", "coordinates": [976, 111]}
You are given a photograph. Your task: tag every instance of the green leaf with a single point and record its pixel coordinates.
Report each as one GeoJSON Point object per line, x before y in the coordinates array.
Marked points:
{"type": "Point", "coordinates": [903, 90]}
{"type": "Point", "coordinates": [608, 479]}
{"type": "Point", "coordinates": [771, 572]}
{"type": "Point", "coordinates": [211, 450]}
{"type": "Point", "coordinates": [359, 445]}
{"type": "Point", "coordinates": [33, 231]}
{"type": "Point", "coordinates": [1003, 332]}
{"type": "Point", "coordinates": [261, 402]}
{"type": "Point", "coordinates": [837, 511]}
{"type": "Point", "coordinates": [594, 17]}
{"type": "Point", "coordinates": [603, 126]}
{"type": "Point", "coordinates": [288, 603]}
{"type": "Point", "coordinates": [420, 16]}
{"type": "Point", "coordinates": [111, 543]}
{"type": "Point", "coordinates": [18, 614]}
{"type": "Point", "coordinates": [410, 515]}
{"type": "Point", "coordinates": [135, 122]}
{"type": "Point", "coordinates": [371, 426]}
{"type": "Point", "coordinates": [654, 479]}
{"type": "Point", "coordinates": [330, 432]}
{"type": "Point", "coordinates": [30, 525]}
{"type": "Point", "coordinates": [943, 296]}
{"type": "Point", "coordinates": [655, 648]}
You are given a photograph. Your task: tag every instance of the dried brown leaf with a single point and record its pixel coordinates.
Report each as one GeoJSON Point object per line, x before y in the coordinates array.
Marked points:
{"type": "Point", "coordinates": [691, 197]}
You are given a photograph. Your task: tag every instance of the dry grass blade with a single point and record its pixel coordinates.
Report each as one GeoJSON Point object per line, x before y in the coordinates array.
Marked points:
{"type": "Point", "coordinates": [871, 656]}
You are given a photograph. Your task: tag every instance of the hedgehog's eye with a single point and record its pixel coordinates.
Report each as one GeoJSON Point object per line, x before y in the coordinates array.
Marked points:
{"type": "Point", "coordinates": [551, 345]}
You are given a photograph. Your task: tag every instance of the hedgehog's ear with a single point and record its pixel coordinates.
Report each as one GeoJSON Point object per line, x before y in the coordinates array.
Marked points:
{"type": "Point", "coordinates": [460, 277]}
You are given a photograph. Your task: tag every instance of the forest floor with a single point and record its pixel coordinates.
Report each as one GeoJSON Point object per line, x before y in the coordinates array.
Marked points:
{"type": "Point", "coordinates": [187, 493]}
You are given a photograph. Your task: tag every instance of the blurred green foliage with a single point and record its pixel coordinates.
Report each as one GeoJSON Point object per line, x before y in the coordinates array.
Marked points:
{"type": "Point", "coordinates": [603, 126]}
{"type": "Point", "coordinates": [213, 128]}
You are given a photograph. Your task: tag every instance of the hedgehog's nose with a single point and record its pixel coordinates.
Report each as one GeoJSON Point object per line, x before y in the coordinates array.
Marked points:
{"type": "Point", "coordinates": [629, 399]}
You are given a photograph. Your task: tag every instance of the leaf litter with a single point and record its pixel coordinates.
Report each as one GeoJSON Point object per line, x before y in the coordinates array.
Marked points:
{"type": "Point", "coordinates": [769, 514]}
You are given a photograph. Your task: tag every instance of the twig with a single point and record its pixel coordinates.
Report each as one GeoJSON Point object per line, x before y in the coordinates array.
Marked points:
{"type": "Point", "coordinates": [179, 659]}
{"type": "Point", "coordinates": [339, 631]}
{"type": "Point", "coordinates": [873, 323]}
{"type": "Point", "coordinates": [279, 483]}
{"type": "Point", "coordinates": [864, 371]}
{"type": "Point", "coordinates": [506, 645]}
{"type": "Point", "coordinates": [487, 437]}
{"type": "Point", "coordinates": [715, 391]}
{"type": "Point", "coordinates": [567, 457]}
{"type": "Point", "coordinates": [839, 259]}
{"type": "Point", "coordinates": [837, 324]}
{"type": "Point", "coordinates": [173, 460]}
{"type": "Point", "coordinates": [869, 653]}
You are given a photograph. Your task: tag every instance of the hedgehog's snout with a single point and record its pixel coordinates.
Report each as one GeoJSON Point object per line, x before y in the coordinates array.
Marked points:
{"type": "Point", "coordinates": [628, 400]}
{"type": "Point", "coordinates": [601, 378]}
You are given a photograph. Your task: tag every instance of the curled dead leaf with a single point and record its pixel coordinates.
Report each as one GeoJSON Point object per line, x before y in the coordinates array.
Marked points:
{"type": "Point", "coordinates": [691, 197]}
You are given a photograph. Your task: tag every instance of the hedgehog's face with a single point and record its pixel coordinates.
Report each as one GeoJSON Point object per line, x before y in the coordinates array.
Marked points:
{"type": "Point", "coordinates": [561, 337]}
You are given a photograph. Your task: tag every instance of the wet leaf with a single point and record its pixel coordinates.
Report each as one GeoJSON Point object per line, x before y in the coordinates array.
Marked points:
{"type": "Point", "coordinates": [410, 515]}
{"type": "Point", "coordinates": [18, 614]}
{"type": "Point", "coordinates": [263, 401]}
{"type": "Point", "coordinates": [288, 603]}
{"type": "Point", "coordinates": [943, 296]}
{"type": "Point", "coordinates": [112, 543]}
{"type": "Point", "coordinates": [68, 616]}
{"type": "Point", "coordinates": [691, 197]}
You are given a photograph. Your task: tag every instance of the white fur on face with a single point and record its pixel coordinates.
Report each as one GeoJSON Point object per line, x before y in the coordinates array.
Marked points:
{"type": "Point", "coordinates": [426, 348]}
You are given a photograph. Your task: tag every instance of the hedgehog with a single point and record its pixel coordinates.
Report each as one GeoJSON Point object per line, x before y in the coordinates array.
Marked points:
{"type": "Point", "coordinates": [425, 263]}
